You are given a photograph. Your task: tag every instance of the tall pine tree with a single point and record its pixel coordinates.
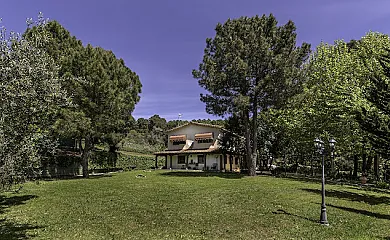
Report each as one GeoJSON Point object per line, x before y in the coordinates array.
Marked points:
{"type": "Point", "coordinates": [251, 65]}
{"type": "Point", "coordinates": [103, 89]}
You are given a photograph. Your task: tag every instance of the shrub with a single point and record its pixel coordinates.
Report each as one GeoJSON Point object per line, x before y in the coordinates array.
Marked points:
{"type": "Point", "coordinates": [384, 185]}
{"type": "Point", "coordinates": [107, 160]}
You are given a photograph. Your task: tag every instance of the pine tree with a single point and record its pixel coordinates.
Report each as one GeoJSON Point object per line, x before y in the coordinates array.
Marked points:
{"type": "Point", "coordinates": [250, 65]}
{"type": "Point", "coordinates": [103, 89]}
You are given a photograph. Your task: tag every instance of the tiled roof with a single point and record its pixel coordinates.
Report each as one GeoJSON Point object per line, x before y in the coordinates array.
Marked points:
{"type": "Point", "coordinates": [189, 151]}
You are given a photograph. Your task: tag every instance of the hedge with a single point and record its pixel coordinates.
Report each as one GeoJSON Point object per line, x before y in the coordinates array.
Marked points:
{"type": "Point", "coordinates": [106, 160]}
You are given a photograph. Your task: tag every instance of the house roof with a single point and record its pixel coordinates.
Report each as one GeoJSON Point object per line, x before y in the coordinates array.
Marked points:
{"type": "Point", "coordinates": [189, 151]}
{"type": "Point", "coordinates": [195, 123]}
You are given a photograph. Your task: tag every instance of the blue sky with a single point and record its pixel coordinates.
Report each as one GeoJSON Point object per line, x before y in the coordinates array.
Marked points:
{"type": "Point", "coordinates": [162, 41]}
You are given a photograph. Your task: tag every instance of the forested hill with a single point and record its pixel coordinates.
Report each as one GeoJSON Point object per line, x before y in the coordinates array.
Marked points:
{"type": "Point", "coordinates": [149, 135]}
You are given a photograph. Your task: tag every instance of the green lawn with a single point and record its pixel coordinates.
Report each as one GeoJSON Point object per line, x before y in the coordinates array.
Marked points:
{"type": "Point", "coordinates": [169, 205]}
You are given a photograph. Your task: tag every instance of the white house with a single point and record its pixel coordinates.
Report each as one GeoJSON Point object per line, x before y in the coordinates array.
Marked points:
{"type": "Point", "coordinates": [195, 146]}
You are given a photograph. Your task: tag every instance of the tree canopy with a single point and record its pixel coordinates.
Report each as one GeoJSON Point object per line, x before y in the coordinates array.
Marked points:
{"type": "Point", "coordinates": [31, 95]}
{"type": "Point", "coordinates": [375, 119]}
{"type": "Point", "coordinates": [251, 65]}
{"type": "Point", "coordinates": [102, 88]}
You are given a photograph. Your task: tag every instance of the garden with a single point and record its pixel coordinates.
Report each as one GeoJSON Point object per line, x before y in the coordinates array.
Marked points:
{"type": "Point", "coordinates": [186, 205]}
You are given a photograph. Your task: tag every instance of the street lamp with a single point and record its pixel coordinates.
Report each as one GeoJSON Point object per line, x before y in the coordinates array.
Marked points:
{"type": "Point", "coordinates": [319, 144]}
{"type": "Point", "coordinates": [332, 144]}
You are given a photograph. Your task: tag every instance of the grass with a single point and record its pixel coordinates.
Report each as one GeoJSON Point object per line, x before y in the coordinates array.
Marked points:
{"type": "Point", "coordinates": [179, 205]}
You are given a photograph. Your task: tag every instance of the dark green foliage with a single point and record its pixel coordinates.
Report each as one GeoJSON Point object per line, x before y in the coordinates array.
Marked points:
{"type": "Point", "coordinates": [30, 96]}
{"type": "Point", "coordinates": [175, 123]}
{"type": "Point", "coordinates": [147, 136]}
{"type": "Point", "coordinates": [218, 122]}
{"type": "Point", "coordinates": [250, 65]}
{"type": "Point", "coordinates": [104, 90]}
{"type": "Point", "coordinates": [105, 160]}
{"type": "Point", "coordinates": [376, 120]}
{"type": "Point", "coordinates": [142, 124]}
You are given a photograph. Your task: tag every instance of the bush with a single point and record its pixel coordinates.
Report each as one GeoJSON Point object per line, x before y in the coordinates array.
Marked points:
{"type": "Point", "coordinates": [384, 185]}
{"type": "Point", "coordinates": [140, 162]}
{"type": "Point", "coordinates": [106, 160]}
{"type": "Point", "coordinates": [63, 164]}
{"type": "Point", "coordinates": [103, 160]}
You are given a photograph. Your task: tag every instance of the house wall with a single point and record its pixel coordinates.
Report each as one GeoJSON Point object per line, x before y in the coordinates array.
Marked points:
{"type": "Point", "coordinates": [190, 131]}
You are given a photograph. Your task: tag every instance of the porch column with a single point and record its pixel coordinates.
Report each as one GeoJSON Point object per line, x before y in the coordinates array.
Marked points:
{"type": "Point", "coordinates": [220, 163]}
{"type": "Point", "coordinates": [166, 161]}
{"type": "Point", "coordinates": [205, 162]}
{"type": "Point", "coordinates": [224, 161]}
{"type": "Point", "coordinates": [187, 161]}
{"type": "Point", "coordinates": [231, 163]}
{"type": "Point", "coordinates": [156, 162]}
{"type": "Point", "coordinates": [170, 161]}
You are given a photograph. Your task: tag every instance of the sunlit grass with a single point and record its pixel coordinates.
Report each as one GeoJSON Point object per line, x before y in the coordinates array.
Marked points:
{"type": "Point", "coordinates": [169, 205]}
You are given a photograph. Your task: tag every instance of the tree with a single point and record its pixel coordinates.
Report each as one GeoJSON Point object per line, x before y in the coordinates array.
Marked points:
{"type": "Point", "coordinates": [375, 119]}
{"type": "Point", "coordinates": [104, 90]}
{"type": "Point", "coordinates": [334, 96]}
{"type": "Point", "coordinates": [31, 93]}
{"type": "Point", "coordinates": [250, 65]}
{"type": "Point", "coordinates": [142, 124]}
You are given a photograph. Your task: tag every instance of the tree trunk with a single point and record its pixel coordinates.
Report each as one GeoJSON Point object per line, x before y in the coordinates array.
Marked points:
{"type": "Point", "coordinates": [113, 148]}
{"type": "Point", "coordinates": [285, 165]}
{"type": "Point", "coordinates": [355, 166]}
{"type": "Point", "coordinates": [252, 170]}
{"type": "Point", "coordinates": [112, 156]}
{"type": "Point", "coordinates": [369, 164]}
{"type": "Point", "coordinates": [85, 156]}
{"type": "Point", "coordinates": [376, 167]}
{"type": "Point", "coordinates": [247, 140]}
{"type": "Point", "coordinates": [80, 145]}
{"type": "Point", "coordinates": [311, 166]}
{"type": "Point", "coordinates": [364, 165]}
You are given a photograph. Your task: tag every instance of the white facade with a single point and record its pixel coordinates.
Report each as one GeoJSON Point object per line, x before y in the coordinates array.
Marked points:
{"type": "Point", "coordinates": [190, 130]}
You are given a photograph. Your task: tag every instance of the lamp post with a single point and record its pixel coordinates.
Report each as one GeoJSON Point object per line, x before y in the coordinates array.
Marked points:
{"type": "Point", "coordinates": [332, 144]}
{"type": "Point", "coordinates": [319, 144]}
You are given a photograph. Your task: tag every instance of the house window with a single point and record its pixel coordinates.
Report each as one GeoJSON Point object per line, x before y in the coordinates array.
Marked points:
{"type": "Point", "coordinates": [236, 162]}
{"type": "Point", "coordinates": [181, 160]}
{"type": "Point", "coordinates": [201, 159]}
{"type": "Point", "coordinates": [210, 140]}
{"type": "Point", "coordinates": [178, 142]}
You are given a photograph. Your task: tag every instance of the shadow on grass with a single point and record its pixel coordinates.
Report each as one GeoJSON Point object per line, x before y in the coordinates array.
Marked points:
{"type": "Point", "coordinates": [281, 211]}
{"type": "Point", "coordinates": [202, 174]}
{"type": "Point", "coordinates": [7, 202]}
{"type": "Point", "coordinates": [302, 179]}
{"type": "Point", "coordinates": [363, 212]}
{"type": "Point", "coordinates": [95, 176]}
{"type": "Point", "coordinates": [8, 229]}
{"type": "Point", "coordinates": [351, 196]}
{"type": "Point", "coordinates": [370, 189]}
{"type": "Point", "coordinates": [318, 179]}
{"type": "Point", "coordinates": [11, 231]}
